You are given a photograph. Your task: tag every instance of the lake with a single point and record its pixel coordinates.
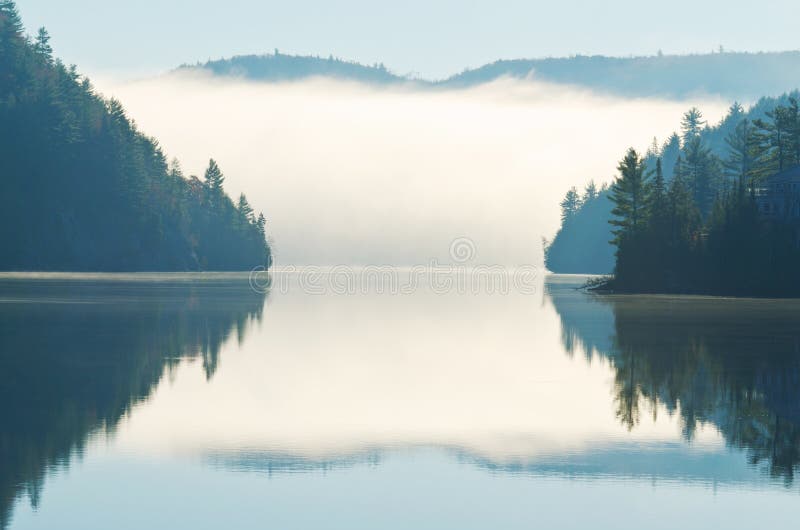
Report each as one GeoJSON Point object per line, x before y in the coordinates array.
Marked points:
{"type": "Point", "coordinates": [213, 401]}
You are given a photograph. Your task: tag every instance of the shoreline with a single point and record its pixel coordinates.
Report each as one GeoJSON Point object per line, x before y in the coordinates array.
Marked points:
{"type": "Point", "coordinates": [608, 288]}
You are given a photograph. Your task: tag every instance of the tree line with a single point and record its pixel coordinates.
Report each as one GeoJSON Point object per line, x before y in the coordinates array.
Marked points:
{"type": "Point", "coordinates": [581, 244]}
{"type": "Point", "coordinates": [702, 231]}
{"type": "Point", "coordinates": [83, 189]}
{"type": "Point", "coordinates": [746, 146]}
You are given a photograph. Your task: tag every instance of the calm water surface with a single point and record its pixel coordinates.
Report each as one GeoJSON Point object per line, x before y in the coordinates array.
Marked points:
{"type": "Point", "coordinates": [192, 401]}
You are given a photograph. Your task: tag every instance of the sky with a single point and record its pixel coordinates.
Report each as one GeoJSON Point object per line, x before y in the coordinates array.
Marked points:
{"type": "Point", "coordinates": [432, 39]}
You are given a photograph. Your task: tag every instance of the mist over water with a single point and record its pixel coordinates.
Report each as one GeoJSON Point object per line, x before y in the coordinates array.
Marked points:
{"type": "Point", "coordinates": [353, 174]}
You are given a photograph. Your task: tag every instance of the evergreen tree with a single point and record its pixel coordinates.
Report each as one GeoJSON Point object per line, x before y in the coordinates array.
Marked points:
{"type": "Point", "coordinates": [590, 193]}
{"type": "Point", "coordinates": [739, 164]}
{"type": "Point", "coordinates": [11, 42]}
{"type": "Point", "coordinates": [691, 124]}
{"type": "Point", "coordinates": [213, 181]}
{"type": "Point", "coordinates": [657, 199]}
{"type": "Point", "coordinates": [684, 220]}
{"type": "Point", "coordinates": [245, 210]}
{"type": "Point", "coordinates": [670, 152]}
{"type": "Point", "coordinates": [702, 171]}
{"type": "Point", "coordinates": [260, 223]}
{"type": "Point", "coordinates": [42, 44]}
{"type": "Point", "coordinates": [570, 204]}
{"type": "Point", "coordinates": [629, 194]}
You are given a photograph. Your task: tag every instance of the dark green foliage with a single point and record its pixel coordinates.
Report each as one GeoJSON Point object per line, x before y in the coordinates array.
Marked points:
{"type": "Point", "coordinates": [692, 124]}
{"type": "Point", "coordinates": [705, 234]}
{"type": "Point", "coordinates": [629, 195]}
{"type": "Point", "coordinates": [82, 189]}
{"type": "Point", "coordinates": [744, 156]}
{"type": "Point", "coordinates": [570, 205]}
{"type": "Point", "coordinates": [737, 152]}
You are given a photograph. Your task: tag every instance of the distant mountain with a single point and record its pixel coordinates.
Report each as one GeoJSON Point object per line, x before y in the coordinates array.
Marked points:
{"type": "Point", "coordinates": [744, 76]}
{"type": "Point", "coordinates": [281, 67]}
{"type": "Point", "coordinates": [731, 75]}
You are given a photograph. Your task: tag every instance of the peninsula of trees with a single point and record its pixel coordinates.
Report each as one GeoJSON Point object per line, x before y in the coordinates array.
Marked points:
{"type": "Point", "coordinates": [82, 189]}
{"type": "Point", "coordinates": [714, 224]}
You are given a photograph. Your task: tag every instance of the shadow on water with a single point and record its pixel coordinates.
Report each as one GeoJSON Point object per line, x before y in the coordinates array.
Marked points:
{"type": "Point", "coordinates": [730, 363]}
{"type": "Point", "coordinates": [76, 356]}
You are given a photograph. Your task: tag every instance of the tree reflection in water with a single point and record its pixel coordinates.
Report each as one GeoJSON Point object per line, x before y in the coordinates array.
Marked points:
{"type": "Point", "coordinates": [730, 363]}
{"type": "Point", "coordinates": [76, 356]}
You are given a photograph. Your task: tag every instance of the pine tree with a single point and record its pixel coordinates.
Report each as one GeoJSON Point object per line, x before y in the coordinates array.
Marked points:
{"type": "Point", "coordinates": [735, 112]}
{"type": "Point", "coordinates": [42, 46]}
{"type": "Point", "coordinates": [213, 182]}
{"type": "Point", "coordinates": [570, 205]}
{"type": "Point", "coordinates": [245, 210]}
{"type": "Point", "coordinates": [702, 172]}
{"type": "Point", "coordinates": [779, 138]}
{"type": "Point", "coordinates": [740, 163]}
{"type": "Point", "coordinates": [11, 40]}
{"type": "Point", "coordinates": [670, 152]}
{"type": "Point", "coordinates": [10, 21]}
{"type": "Point", "coordinates": [653, 150]}
{"type": "Point", "coordinates": [793, 130]}
{"type": "Point", "coordinates": [691, 124]}
{"type": "Point", "coordinates": [657, 198]}
{"type": "Point", "coordinates": [260, 223]}
{"type": "Point", "coordinates": [590, 193]}
{"type": "Point", "coordinates": [629, 195]}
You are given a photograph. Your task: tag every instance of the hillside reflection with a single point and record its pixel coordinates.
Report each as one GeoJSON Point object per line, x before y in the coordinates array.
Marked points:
{"type": "Point", "coordinates": [733, 364]}
{"type": "Point", "coordinates": [76, 356]}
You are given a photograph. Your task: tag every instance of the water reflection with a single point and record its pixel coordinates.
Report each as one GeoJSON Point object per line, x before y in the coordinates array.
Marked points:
{"type": "Point", "coordinates": [733, 364]}
{"type": "Point", "coordinates": [77, 355]}
{"type": "Point", "coordinates": [558, 385]}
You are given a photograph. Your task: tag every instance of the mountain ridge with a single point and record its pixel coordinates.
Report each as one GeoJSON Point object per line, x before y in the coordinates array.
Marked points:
{"type": "Point", "coordinates": [735, 75]}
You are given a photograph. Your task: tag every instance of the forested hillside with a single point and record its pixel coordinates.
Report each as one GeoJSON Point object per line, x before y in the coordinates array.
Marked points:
{"type": "Point", "coordinates": [732, 75]}
{"type": "Point", "coordinates": [722, 224]}
{"type": "Point", "coordinates": [581, 245]}
{"type": "Point", "coordinates": [710, 155]}
{"type": "Point", "coordinates": [81, 188]}
{"type": "Point", "coordinates": [743, 76]}
{"type": "Point", "coordinates": [283, 67]}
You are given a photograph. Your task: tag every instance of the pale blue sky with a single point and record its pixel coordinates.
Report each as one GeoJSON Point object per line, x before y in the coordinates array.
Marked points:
{"type": "Point", "coordinates": [431, 38]}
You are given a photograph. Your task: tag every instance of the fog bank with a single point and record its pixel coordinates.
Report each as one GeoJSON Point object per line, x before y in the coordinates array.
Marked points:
{"type": "Point", "coordinates": [351, 174]}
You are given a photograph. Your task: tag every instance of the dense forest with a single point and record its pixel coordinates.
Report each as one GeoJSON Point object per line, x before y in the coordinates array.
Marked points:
{"type": "Point", "coordinates": [709, 175]}
{"type": "Point", "coordinates": [728, 74]}
{"type": "Point", "coordinates": [282, 67]}
{"type": "Point", "coordinates": [581, 244]}
{"type": "Point", "coordinates": [743, 76]}
{"type": "Point", "coordinates": [709, 227]}
{"type": "Point", "coordinates": [82, 189]}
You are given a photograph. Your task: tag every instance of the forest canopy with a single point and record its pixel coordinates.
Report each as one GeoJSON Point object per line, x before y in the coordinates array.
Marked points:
{"type": "Point", "coordinates": [81, 188]}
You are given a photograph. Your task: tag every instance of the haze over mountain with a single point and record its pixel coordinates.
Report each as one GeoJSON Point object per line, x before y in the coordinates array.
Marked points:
{"type": "Point", "coordinates": [744, 76]}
